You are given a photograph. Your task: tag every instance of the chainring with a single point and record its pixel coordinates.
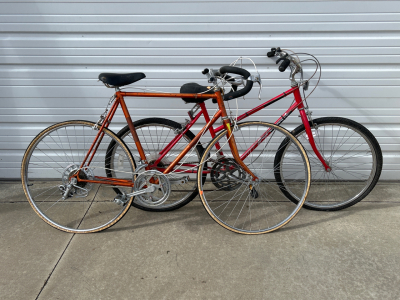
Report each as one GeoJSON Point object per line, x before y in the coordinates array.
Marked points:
{"type": "Point", "coordinates": [148, 178]}
{"type": "Point", "coordinates": [220, 171]}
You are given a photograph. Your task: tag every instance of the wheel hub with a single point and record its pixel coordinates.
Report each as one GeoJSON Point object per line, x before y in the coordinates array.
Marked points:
{"type": "Point", "coordinates": [70, 182]}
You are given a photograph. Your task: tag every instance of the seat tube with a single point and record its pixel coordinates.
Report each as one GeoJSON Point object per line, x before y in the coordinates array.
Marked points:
{"type": "Point", "coordinates": [230, 136]}
{"type": "Point", "coordinates": [131, 127]}
{"type": "Point", "coordinates": [304, 119]}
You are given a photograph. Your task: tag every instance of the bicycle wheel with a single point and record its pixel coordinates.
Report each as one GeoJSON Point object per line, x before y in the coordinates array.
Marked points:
{"type": "Point", "coordinates": [53, 157]}
{"type": "Point", "coordinates": [154, 135]}
{"type": "Point", "coordinates": [240, 204]}
{"type": "Point", "coordinates": [354, 156]}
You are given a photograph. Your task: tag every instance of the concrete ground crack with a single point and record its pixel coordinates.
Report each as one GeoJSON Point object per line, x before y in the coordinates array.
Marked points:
{"type": "Point", "coordinates": [62, 254]}
{"type": "Point", "coordinates": [51, 273]}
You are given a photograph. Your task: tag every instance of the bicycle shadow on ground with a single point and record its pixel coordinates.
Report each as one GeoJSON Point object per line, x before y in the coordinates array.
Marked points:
{"type": "Point", "coordinates": [191, 216]}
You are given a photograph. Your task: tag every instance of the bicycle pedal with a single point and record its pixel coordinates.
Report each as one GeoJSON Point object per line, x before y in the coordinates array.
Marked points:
{"type": "Point", "coordinates": [120, 200]}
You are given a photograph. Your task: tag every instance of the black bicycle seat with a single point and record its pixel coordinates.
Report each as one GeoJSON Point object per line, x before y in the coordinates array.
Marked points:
{"type": "Point", "coordinates": [195, 88]}
{"type": "Point", "coordinates": [117, 80]}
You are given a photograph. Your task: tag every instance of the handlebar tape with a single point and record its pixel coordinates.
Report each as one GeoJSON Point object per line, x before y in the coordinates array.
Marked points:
{"type": "Point", "coordinates": [244, 91]}
{"type": "Point", "coordinates": [234, 70]}
{"type": "Point", "coordinates": [239, 71]}
{"type": "Point", "coordinates": [230, 78]}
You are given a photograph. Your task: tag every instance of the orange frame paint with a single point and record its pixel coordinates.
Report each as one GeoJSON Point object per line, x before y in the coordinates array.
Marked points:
{"type": "Point", "coordinates": [119, 100]}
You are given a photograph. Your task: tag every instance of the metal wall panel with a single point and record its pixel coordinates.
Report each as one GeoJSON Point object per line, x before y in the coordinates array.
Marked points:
{"type": "Point", "coordinates": [52, 52]}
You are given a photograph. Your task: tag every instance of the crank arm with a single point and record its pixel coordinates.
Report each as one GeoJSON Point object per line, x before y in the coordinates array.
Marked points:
{"type": "Point", "coordinates": [235, 178]}
{"type": "Point", "coordinates": [181, 180]}
{"type": "Point", "coordinates": [150, 189]}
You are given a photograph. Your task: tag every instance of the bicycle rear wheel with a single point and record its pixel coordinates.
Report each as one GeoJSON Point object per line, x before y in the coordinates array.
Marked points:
{"type": "Point", "coordinates": [353, 154]}
{"type": "Point", "coordinates": [155, 134]}
{"type": "Point", "coordinates": [240, 204]}
{"type": "Point", "coordinates": [47, 170]}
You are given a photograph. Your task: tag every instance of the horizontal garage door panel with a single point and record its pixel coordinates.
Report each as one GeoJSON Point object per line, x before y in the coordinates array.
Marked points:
{"type": "Point", "coordinates": [52, 52]}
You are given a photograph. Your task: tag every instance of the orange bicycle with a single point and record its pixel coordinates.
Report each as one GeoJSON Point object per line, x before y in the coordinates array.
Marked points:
{"type": "Point", "coordinates": [77, 183]}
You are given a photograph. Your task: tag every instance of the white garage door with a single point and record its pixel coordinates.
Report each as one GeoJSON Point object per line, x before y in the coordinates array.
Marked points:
{"type": "Point", "coordinates": [52, 53]}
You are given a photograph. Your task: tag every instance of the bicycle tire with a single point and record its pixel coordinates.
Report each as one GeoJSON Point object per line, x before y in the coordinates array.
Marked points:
{"type": "Point", "coordinates": [337, 189]}
{"type": "Point", "coordinates": [156, 125]}
{"type": "Point", "coordinates": [247, 206]}
{"type": "Point", "coordinates": [46, 169]}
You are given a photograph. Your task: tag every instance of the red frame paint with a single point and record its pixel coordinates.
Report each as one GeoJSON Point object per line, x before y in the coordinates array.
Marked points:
{"type": "Point", "coordinates": [298, 104]}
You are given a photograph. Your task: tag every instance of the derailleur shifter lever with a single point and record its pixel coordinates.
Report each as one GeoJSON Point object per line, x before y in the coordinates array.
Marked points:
{"type": "Point", "coordinates": [210, 73]}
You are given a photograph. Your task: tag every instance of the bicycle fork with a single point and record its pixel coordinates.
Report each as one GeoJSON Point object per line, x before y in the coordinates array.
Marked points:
{"type": "Point", "coordinates": [305, 120]}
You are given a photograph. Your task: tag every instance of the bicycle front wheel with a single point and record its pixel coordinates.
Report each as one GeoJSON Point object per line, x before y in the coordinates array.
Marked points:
{"type": "Point", "coordinates": [233, 199]}
{"type": "Point", "coordinates": [48, 168]}
{"type": "Point", "coordinates": [353, 154]}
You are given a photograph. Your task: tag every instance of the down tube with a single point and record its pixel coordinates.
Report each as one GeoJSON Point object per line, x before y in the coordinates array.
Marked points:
{"type": "Point", "coordinates": [192, 143]}
{"type": "Point", "coordinates": [176, 139]}
{"type": "Point", "coordinates": [268, 132]}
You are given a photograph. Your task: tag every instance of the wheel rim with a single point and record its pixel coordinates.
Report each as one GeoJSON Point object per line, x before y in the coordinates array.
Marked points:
{"type": "Point", "coordinates": [342, 185]}
{"type": "Point", "coordinates": [52, 157]}
{"type": "Point", "coordinates": [239, 210]}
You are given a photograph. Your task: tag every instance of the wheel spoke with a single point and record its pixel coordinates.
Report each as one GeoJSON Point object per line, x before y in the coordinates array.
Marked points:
{"type": "Point", "coordinates": [60, 198]}
{"type": "Point", "coordinates": [246, 206]}
{"type": "Point", "coordinates": [355, 160]}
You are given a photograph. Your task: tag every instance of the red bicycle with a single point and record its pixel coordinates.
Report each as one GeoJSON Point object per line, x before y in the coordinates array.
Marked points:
{"type": "Point", "coordinates": [345, 158]}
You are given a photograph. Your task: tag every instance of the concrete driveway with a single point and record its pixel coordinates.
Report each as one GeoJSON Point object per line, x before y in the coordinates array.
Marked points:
{"type": "Point", "coordinates": [184, 254]}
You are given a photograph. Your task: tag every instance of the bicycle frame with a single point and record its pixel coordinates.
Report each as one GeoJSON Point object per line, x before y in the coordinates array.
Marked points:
{"type": "Point", "coordinates": [297, 104]}
{"type": "Point", "coordinates": [119, 100]}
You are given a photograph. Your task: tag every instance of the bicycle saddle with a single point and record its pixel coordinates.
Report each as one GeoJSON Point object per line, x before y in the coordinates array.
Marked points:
{"type": "Point", "coordinates": [194, 88]}
{"type": "Point", "coordinates": [117, 80]}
